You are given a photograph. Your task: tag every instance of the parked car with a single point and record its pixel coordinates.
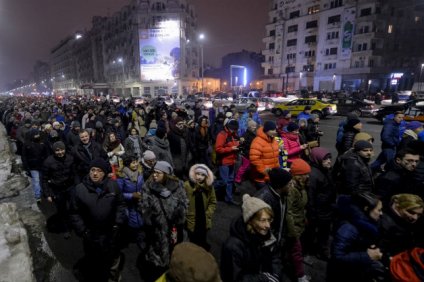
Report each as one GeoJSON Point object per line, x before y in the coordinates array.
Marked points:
{"type": "Point", "coordinates": [295, 107]}
{"type": "Point", "coordinates": [390, 109]}
{"type": "Point", "coordinates": [414, 113]}
{"type": "Point", "coordinates": [351, 105]}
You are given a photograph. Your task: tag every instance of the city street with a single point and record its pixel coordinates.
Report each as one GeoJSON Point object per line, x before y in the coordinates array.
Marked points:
{"type": "Point", "coordinates": [69, 251]}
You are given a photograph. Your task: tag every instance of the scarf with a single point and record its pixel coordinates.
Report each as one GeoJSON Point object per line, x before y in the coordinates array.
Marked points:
{"type": "Point", "coordinates": [136, 144]}
{"type": "Point", "coordinates": [203, 131]}
{"type": "Point", "coordinates": [132, 175]}
{"type": "Point", "coordinates": [87, 149]}
{"type": "Point", "coordinates": [113, 145]}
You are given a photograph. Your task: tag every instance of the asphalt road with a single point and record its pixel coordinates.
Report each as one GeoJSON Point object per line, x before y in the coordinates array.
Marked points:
{"type": "Point", "coordinates": [69, 251]}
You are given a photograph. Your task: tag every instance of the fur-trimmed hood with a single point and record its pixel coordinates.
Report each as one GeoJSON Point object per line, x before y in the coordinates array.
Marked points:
{"type": "Point", "coordinates": [210, 177]}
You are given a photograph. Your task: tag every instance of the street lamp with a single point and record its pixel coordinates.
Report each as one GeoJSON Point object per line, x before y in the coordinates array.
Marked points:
{"type": "Point", "coordinates": [121, 61]}
{"type": "Point", "coordinates": [334, 82]}
{"type": "Point", "coordinates": [201, 38]}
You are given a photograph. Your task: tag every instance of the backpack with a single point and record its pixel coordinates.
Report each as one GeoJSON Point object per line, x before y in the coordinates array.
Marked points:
{"type": "Point", "coordinates": [408, 266]}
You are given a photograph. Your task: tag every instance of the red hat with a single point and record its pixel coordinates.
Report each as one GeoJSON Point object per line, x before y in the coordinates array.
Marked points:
{"type": "Point", "coordinates": [299, 167]}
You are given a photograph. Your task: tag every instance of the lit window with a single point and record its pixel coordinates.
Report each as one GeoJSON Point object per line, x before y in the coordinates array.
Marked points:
{"type": "Point", "coordinates": [390, 29]}
{"type": "Point", "coordinates": [417, 19]}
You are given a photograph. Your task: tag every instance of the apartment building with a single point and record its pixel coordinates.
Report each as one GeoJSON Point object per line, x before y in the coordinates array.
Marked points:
{"type": "Point", "coordinates": [128, 52]}
{"type": "Point", "coordinates": [343, 45]}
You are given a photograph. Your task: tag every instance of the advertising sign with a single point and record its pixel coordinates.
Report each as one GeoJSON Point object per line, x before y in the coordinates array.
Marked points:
{"type": "Point", "coordinates": [160, 51]}
{"type": "Point", "coordinates": [347, 32]}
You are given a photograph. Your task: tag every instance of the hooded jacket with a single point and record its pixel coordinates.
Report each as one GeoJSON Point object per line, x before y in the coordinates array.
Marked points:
{"type": "Point", "coordinates": [355, 234]}
{"type": "Point", "coordinates": [208, 195]}
{"type": "Point", "coordinates": [264, 153]}
{"type": "Point", "coordinates": [292, 145]}
{"type": "Point", "coordinates": [160, 147]}
{"type": "Point", "coordinates": [246, 256]}
{"type": "Point", "coordinates": [355, 174]}
{"type": "Point", "coordinates": [321, 188]}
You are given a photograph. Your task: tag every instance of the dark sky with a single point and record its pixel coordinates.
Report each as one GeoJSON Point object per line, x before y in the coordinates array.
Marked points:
{"type": "Point", "coordinates": [30, 28]}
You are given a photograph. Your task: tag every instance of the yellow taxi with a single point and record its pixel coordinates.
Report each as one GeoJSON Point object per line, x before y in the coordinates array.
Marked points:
{"type": "Point", "coordinates": [295, 107]}
{"type": "Point", "coordinates": [414, 113]}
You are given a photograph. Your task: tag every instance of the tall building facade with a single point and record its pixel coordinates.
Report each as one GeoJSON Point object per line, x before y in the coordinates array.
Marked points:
{"type": "Point", "coordinates": [343, 45]}
{"type": "Point", "coordinates": [148, 47]}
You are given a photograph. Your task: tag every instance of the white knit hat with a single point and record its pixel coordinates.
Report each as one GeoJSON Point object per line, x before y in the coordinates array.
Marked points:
{"type": "Point", "coordinates": [252, 205]}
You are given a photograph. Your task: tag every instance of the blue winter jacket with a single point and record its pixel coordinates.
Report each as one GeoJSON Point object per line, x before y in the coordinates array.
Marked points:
{"type": "Point", "coordinates": [127, 188]}
{"type": "Point", "coordinates": [390, 135]}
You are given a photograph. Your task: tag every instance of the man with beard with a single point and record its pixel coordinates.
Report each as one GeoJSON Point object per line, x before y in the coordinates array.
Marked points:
{"type": "Point", "coordinates": [86, 151]}
{"type": "Point", "coordinates": [399, 178]}
{"type": "Point", "coordinates": [355, 171]}
{"type": "Point", "coordinates": [57, 182]}
{"type": "Point", "coordinates": [178, 145]}
{"type": "Point", "coordinates": [97, 214]}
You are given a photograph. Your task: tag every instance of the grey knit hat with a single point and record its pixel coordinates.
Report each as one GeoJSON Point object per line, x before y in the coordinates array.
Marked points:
{"type": "Point", "coordinates": [163, 166]}
{"type": "Point", "coordinates": [252, 205]}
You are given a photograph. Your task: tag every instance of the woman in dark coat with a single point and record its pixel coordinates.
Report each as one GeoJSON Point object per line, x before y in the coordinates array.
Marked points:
{"type": "Point", "coordinates": [250, 253]}
{"type": "Point", "coordinates": [352, 127]}
{"type": "Point", "coordinates": [398, 224]}
{"type": "Point", "coordinates": [321, 201]}
{"type": "Point", "coordinates": [164, 206]}
{"type": "Point", "coordinates": [354, 254]}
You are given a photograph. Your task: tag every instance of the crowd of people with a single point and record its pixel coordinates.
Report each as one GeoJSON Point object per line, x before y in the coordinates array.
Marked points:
{"type": "Point", "coordinates": [152, 174]}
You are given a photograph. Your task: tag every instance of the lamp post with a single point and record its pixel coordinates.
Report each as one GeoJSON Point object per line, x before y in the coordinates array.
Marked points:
{"type": "Point", "coordinates": [201, 38]}
{"type": "Point", "coordinates": [334, 83]}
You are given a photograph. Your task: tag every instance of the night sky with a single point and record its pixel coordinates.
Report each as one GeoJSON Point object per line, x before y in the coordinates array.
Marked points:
{"type": "Point", "coordinates": [30, 28]}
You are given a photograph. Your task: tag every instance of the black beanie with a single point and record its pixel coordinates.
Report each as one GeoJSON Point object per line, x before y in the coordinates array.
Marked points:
{"type": "Point", "coordinates": [279, 177]}
{"type": "Point", "coordinates": [352, 122]}
{"type": "Point", "coordinates": [362, 144]}
{"type": "Point", "coordinates": [269, 125]}
{"type": "Point", "coordinates": [58, 145]}
{"type": "Point", "coordinates": [160, 132]}
{"type": "Point", "coordinates": [233, 124]}
{"type": "Point", "coordinates": [102, 164]}
{"type": "Point", "coordinates": [292, 126]}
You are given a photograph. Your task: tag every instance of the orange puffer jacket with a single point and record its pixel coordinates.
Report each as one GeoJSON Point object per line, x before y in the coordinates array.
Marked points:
{"type": "Point", "coordinates": [263, 155]}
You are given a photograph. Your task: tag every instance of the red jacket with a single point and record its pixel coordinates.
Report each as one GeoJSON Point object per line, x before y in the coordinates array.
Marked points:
{"type": "Point", "coordinates": [225, 154]}
{"type": "Point", "coordinates": [292, 145]}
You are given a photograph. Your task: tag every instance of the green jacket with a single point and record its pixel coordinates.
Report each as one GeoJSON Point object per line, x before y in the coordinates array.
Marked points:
{"type": "Point", "coordinates": [295, 218]}
{"type": "Point", "coordinates": [209, 202]}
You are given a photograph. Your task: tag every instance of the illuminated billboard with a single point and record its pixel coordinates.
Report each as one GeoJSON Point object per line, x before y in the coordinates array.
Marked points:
{"type": "Point", "coordinates": [160, 51]}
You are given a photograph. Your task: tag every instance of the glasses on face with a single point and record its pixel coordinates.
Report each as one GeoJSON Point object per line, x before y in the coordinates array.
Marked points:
{"type": "Point", "coordinates": [266, 220]}
{"type": "Point", "coordinates": [158, 172]}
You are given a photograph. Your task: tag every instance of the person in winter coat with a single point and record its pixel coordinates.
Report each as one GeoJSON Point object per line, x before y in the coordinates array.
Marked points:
{"type": "Point", "coordinates": [131, 184]}
{"type": "Point", "coordinates": [202, 204]}
{"type": "Point", "coordinates": [292, 143]}
{"type": "Point", "coordinates": [275, 195]}
{"type": "Point", "coordinates": [340, 130]}
{"type": "Point", "coordinates": [313, 133]}
{"type": "Point", "coordinates": [159, 145]}
{"type": "Point", "coordinates": [164, 207]}
{"type": "Point", "coordinates": [355, 173]}
{"type": "Point", "coordinates": [283, 121]}
{"type": "Point", "coordinates": [133, 143]}
{"type": "Point", "coordinates": [264, 153]}
{"type": "Point", "coordinates": [86, 151]}
{"type": "Point", "coordinates": [305, 114]}
{"type": "Point", "coordinates": [320, 207]}
{"type": "Point", "coordinates": [72, 137]}
{"type": "Point", "coordinates": [227, 148]}
{"type": "Point", "coordinates": [97, 214]}
{"type": "Point", "coordinates": [295, 218]}
{"type": "Point", "coordinates": [399, 177]}
{"type": "Point", "coordinates": [58, 180]}
{"type": "Point", "coordinates": [115, 151]}
{"type": "Point", "coordinates": [177, 137]}
{"type": "Point", "coordinates": [250, 253]}
{"type": "Point", "coordinates": [389, 141]}
{"type": "Point", "coordinates": [398, 224]}
{"type": "Point", "coordinates": [138, 122]}
{"type": "Point", "coordinates": [355, 255]}
{"type": "Point", "coordinates": [34, 152]}
{"type": "Point", "coordinates": [352, 127]}
{"type": "Point", "coordinates": [202, 142]}
{"type": "Point", "coordinates": [245, 143]}
{"type": "Point", "coordinates": [191, 263]}
{"type": "Point", "coordinates": [148, 162]}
